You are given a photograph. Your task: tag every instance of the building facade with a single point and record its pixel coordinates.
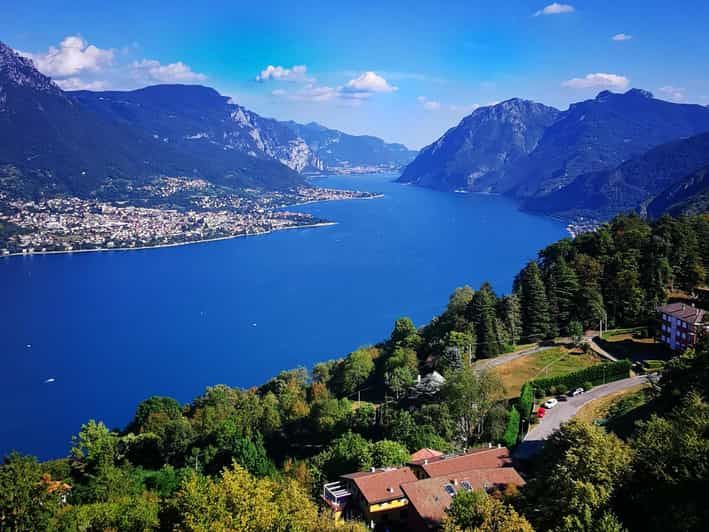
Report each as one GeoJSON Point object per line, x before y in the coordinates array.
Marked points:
{"type": "Point", "coordinates": [681, 325]}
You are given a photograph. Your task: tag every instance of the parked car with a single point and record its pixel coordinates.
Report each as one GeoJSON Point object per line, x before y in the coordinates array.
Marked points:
{"type": "Point", "coordinates": [562, 398]}
{"type": "Point", "coordinates": [550, 403]}
{"type": "Point", "coordinates": [577, 391]}
{"type": "Point", "coordinates": [540, 412]}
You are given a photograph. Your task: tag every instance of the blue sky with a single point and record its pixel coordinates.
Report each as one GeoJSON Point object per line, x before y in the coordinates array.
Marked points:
{"type": "Point", "coordinates": [405, 71]}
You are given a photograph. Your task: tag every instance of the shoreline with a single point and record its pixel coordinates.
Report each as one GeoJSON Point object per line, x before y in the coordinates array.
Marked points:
{"type": "Point", "coordinates": [171, 245]}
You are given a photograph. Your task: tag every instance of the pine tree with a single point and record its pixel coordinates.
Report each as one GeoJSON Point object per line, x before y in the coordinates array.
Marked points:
{"type": "Point", "coordinates": [566, 287]}
{"type": "Point", "coordinates": [481, 312]}
{"type": "Point", "coordinates": [536, 319]}
{"type": "Point", "coordinates": [511, 315]}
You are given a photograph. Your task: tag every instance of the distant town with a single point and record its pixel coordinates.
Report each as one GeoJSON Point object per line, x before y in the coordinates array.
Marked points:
{"type": "Point", "coordinates": [167, 211]}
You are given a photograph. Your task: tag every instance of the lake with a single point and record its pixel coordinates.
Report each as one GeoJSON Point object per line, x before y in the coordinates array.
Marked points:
{"type": "Point", "coordinates": [113, 328]}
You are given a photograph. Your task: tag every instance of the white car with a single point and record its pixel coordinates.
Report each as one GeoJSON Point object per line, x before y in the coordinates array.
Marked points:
{"type": "Point", "coordinates": [577, 391]}
{"type": "Point", "coordinates": [551, 403]}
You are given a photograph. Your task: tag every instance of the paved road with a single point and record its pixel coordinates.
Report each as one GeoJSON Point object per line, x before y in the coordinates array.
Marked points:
{"type": "Point", "coordinates": [487, 363]}
{"type": "Point", "coordinates": [565, 410]}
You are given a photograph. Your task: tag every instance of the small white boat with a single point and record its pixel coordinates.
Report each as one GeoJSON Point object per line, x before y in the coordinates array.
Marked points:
{"type": "Point", "coordinates": [50, 380]}
{"type": "Point", "coordinates": [253, 325]}
{"type": "Point", "coordinates": [28, 346]}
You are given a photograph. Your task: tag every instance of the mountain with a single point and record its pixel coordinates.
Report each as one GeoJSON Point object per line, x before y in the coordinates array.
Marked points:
{"type": "Point", "coordinates": [632, 184]}
{"type": "Point", "coordinates": [193, 117]}
{"type": "Point", "coordinates": [477, 153]}
{"type": "Point", "coordinates": [338, 150]}
{"type": "Point", "coordinates": [690, 195]}
{"type": "Point", "coordinates": [602, 133]}
{"type": "Point", "coordinates": [51, 141]}
{"type": "Point", "coordinates": [526, 149]}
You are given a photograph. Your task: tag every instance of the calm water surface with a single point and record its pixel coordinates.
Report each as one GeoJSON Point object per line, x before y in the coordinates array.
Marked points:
{"type": "Point", "coordinates": [114, 328]}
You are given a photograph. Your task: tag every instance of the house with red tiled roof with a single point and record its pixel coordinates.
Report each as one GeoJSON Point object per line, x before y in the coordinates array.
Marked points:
{"type": "Point", "coordinates": [482, 458]}
{"type": "Point", "coordinates": [375, 495]}
{"type": "Point", "coordinates": [429, 498]}
{"type": "Point", "coordinates": [418, 495]}
{"type": "Point", "coordinates": [425, 454]}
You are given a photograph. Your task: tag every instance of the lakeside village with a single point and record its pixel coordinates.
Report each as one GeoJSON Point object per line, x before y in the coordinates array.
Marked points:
{"type": "Point", "coordinates": [168, 211]}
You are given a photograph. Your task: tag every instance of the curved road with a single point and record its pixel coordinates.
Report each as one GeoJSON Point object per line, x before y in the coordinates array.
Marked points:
{"type": "Point", "coordinates": [487, 363]}
{"type": "Point", "coordinates": [565, 410]}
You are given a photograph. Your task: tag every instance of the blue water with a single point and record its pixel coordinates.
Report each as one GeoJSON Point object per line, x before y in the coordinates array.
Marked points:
{"type": "Point", "coordinates": [114, 328]}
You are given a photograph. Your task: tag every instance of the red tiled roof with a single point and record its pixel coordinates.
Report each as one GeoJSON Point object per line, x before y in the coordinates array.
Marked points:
{"type": "Point", "coordinates": [425, 453]}
{"type": "Point", "coordinates": [483, 458]}
{"type": "Point", "coordinates": [684, 312]}
{"type": "Point", "coordinates": [430, 499]}
{"type": "Point", "coordinates": [382, 485]}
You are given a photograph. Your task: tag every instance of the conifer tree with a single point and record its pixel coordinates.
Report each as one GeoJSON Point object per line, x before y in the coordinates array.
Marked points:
{"type": "Point", "coordinates": [481, 312]}
{"type": "Point", "coordinates": [535, 306]}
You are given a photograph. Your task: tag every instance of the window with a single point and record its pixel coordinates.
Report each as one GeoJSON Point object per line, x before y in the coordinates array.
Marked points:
{"type": "Point", "coordinates": [450, 490]}
{"type": "Point", "coordinates": [466, 485]}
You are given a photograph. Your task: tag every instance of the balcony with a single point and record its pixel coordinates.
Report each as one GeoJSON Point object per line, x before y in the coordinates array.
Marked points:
{"type": "Point", "coordinates": [336, 495]}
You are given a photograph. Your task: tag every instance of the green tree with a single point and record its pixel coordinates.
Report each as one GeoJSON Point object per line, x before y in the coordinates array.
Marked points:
{"type": "Point", "coordinates": [399, 380]}
{"type": "Point", "coordinates": [511, 316]}
{"type": "Point", "coordinates": [356, 369]}
{"type": "Point", "coordinates": [536, 317]}
{"type": "Point", "coordinates": [476, 511]}
{"type": "Point", "coordinates": [25, 500]}
{"type": "Point", "coordinates": [671, 470]}
{"type": "Point", "coordinates": [565, 290]}
{"type": "Point", "coordinates": [387, 453]}
{"type": "Point", "coordinates": [482, 314]}
{"type": "Point", "coordinates": [405, 333]}
{"type": "Point", "coordinates": [470, 396]}
{"type": "Point", "coordinates": [582, 467]}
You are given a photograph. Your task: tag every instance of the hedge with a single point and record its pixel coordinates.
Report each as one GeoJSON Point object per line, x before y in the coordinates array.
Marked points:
{"type": "Point", "coordinates": [511, 434]}
{"type": "Point", "coordinates": [606, 372]}
{"type": "Point", "coordinates": [526, 400]}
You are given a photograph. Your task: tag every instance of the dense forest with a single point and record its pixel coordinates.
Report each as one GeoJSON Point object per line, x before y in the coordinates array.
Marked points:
{"type": "Point", "coordinates": [255, 459]}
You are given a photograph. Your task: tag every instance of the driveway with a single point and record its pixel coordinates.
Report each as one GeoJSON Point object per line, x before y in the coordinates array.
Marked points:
{"type": "Point", "coordinates": [565, 410]}
{"type": "Point", "coordinates": [488, 363]}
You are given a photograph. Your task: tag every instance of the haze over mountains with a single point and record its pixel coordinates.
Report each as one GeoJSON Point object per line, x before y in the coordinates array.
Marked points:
{"type": "Point", "coordinates": [565, 162]}
{"type": "Point", "coordinates": [52, 141]}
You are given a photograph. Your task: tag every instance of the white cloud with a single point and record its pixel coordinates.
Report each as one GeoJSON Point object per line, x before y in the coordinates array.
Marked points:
{"type": "Point", "coordinates": [295, 73]}
{"type": "Point", "coordinates": [76, 84]}
{"type": "Point", "coordinates": [153, 71]}
{"type": "Point", "coordinates": [75, 64]}
{"type": "Point", "coordinates": [673, 93]}
{"type": "Point", "coordinates": [599, 80]}
{"type": "Point", "coordinates": [369, 82]}
{"type": "Point", "coordinates": [353, 92]}
{"type": "Point", "coordinates": [430, 105]}
{"type": "Point", "coordinates": [555, 9]}
{"type": "Point", "coordinates": [73, 56]}
{"type": "Point", "coordinates": [621, 37]}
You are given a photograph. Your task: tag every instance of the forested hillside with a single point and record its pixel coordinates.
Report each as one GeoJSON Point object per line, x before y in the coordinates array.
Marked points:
{"type": "Point", "coordinates": [234, 459]}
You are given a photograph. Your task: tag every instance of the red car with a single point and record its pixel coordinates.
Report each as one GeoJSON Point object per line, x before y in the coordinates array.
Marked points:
{"type": "Point", "coordinates": [540, 412]}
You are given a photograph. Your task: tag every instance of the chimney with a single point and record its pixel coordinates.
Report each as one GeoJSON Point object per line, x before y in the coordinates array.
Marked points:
{"type": "Point", "coordinates": [454, 481]}
{"type": "Point", "coordinates": [418, 378]}
{"type": "Point", "coordinates": [373, 469]}
{"type": "Point", "coordinates": [499, 446]}
{"type": "Point", "coordinates": [425, 461]}
{"type": "Point", "coordinates": [489, 445]}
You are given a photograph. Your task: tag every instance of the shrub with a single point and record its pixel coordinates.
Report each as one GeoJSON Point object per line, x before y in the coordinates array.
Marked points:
{"type": "Point", "coordinates": [526, 400]}
{"type": "Point", "coordinates": [561, 389]}
{"type": "Point", "coordinates": [598, 374]}
{"type": "Point", "coordinates": [587, 385]}
{"type": "Point", "coordinates": [509, 438]}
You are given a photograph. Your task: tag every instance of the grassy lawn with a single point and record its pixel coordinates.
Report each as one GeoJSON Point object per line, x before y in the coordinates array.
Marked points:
{"type": "Point", "coordinates": [599, 408]}
{"type": "Point", "coordinates": [625, 345]}
{"type": "Point", "coordinates": [549, 363]}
